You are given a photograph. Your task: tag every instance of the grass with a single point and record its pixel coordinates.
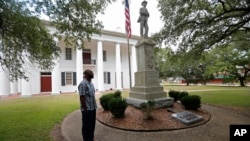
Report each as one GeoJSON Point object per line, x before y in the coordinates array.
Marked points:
{"type": "Point", "coordinates": [200, 88]}
{"type": "Point", "coordinates": [235, 98]}
{"type": "Point", "coordinates": [218, 95]}
{"type": "Point", "coordinates": [33, 118]}
{"type": "Point", "coordinates": [215, 95]}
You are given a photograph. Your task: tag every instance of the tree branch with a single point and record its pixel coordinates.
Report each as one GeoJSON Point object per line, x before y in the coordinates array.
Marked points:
{"type": "Point", "coordinates": [223, 5]}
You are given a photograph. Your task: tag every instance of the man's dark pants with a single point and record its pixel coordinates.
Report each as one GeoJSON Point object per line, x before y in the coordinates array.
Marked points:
{"type": "Point", "coordinates": [88, 125]}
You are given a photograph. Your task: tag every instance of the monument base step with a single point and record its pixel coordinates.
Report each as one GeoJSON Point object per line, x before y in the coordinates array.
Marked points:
{"type": "Point", "coordinates": [159, 102]}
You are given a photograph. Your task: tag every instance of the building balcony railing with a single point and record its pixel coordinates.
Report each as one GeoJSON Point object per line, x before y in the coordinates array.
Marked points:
{"type": "Point", "coordinates": [89, 62]}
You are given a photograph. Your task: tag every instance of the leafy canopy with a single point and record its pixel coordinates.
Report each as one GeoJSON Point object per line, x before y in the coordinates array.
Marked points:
{"type": "Point", "coordinates": [232, 61]}
{"type": "Point", "coordinates": [24, 37]}
{"type": "Point", "coordinates": [201, 24]}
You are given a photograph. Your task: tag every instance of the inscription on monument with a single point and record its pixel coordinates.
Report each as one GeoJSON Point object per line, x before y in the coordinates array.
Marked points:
{"type": "Point", "coordinates": [152, 77]}
{"type": "Point", "coordinates": [187, 117]}
{"type": "Point", "coordinates": [150, 57]}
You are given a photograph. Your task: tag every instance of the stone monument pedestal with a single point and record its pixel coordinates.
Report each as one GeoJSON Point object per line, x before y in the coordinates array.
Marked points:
{"type": "Point", "coordinates": [147, 85]}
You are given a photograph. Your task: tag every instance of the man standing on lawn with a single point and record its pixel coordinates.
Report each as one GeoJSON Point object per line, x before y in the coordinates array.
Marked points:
{"type": "Point", "coordinates": [88, 105]}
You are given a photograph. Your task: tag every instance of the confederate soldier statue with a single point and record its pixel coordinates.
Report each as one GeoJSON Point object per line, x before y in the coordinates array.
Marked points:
{"type": "Point", "coordinates": [143, 19]}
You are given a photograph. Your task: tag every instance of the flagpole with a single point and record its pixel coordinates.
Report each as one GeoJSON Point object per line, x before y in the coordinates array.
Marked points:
{"type": "Point", "coordinates": [128, 31]}
{"type": "Point", "coordinates": [129, 64]}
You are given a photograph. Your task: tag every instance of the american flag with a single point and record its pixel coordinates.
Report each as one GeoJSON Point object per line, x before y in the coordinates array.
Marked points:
{"type": "Point", "coordinates": [127, 21]}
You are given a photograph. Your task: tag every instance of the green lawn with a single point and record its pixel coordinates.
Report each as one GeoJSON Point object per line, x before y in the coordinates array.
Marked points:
{"type": "Point", "coordinates": [196, 88]}
{"type": "Point", "coordinates": [215, 95]}
{"type": "Point", "coordinates": [33, 118]}
{"type": "Point", "coordinates": [218, 95]}
{"type": "Point", "coordinates": [236, 98]}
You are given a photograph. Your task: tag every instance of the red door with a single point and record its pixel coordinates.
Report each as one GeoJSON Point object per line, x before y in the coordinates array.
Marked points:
{"type": "Point", "coordinates": [86, 58]}
{"type": "Point", "coordinates": [46, 84]}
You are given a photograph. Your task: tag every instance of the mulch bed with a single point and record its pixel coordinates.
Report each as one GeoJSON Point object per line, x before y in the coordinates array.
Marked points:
{"type": "Point", "coordinates": [162, 120]}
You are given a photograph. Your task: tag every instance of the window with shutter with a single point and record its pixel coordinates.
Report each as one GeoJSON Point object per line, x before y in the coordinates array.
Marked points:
{"type": "Point", "coordinates": [104, 56]}
{"type": "Point", "coordinates": [74, 78]}
{"type": "Point", "coordinates": [68, 78]}
{"type": "Point", "coordinates": [63, 78]}
{"type": "Point", "coordinates": [107, 79]}
{"type": "Point", "coordinates": [68, 54]}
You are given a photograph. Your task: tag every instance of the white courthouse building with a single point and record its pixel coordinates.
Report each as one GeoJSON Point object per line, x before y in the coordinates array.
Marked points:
{"type": "Point", "coordinates": [106, 55]}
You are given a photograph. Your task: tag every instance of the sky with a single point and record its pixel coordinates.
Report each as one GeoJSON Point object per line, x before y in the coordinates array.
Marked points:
{"type": "Point", "coordinates": [114, 17]}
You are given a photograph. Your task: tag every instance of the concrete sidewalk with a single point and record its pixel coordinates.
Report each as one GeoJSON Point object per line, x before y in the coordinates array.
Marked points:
{"type": "Point", "coordinates": [217, 129]}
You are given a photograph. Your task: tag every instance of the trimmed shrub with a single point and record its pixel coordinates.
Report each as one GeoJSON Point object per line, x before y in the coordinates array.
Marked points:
{"type": "Point", "coordinates": [177, 95]}
{"type": "Point", "coordinates": [104, 100]}
{"type": "Point", "coordinates": [117, 94]}
{"type": "Point", "coordinates": [117, 107]}
{"type": "Point", "coordinates": [174, 94]}
{"type": "Point", "coordinates": [191, 102]}
{"type": "Point", "coordinates": [182, 94]}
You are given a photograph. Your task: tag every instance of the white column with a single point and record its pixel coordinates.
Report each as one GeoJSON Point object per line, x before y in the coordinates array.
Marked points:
{"type": "Point", "coordinates": [26, 84]}
{"type": "Point", "coordinates": [100, 76]}
{"type": "Point", "coordinates": [55, 76]}
{"type": "Point", "coordinates": [79, 66]}
{"type": "Point", "coordinates": [118, 67]}
{"type": "Point", "coordinates": [56, 79]}
{"type": "Point", "coordinates": [14, 87]}
{"type": "Point", "coordinates": [26, 88]}
{"type": "Point", "coordinates": [19, 86]}
{"type": "Point", "coordinates": [133, 64]}
{"type": "Point", "coordinates": [4, 82]}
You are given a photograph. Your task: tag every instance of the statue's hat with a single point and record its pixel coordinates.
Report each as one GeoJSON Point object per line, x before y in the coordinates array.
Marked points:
{"type": "Point", "coordinates": [144, 2]}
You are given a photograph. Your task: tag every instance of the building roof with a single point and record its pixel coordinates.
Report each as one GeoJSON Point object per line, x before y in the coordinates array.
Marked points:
{"type": "Point", "coordinates": [103, 31]}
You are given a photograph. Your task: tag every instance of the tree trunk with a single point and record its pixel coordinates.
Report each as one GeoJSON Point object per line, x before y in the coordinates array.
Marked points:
{"type": "Point", "coordinates": [242, 84]}
{"type": "Point", "coordinates": [204, 82]}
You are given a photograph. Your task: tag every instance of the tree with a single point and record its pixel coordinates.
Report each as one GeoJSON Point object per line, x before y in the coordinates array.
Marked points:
{"type": "Point", "coordinates": [182, 64]}
{"type": "Point", "coordinates": [232, 61]}
{"type": "Point", "coordinates": [202, 24]}
{"type": "Point", "coordinates": [163, 64]}
{"type": "Point", "coordinates": [24, 36]}
{"type": "Point", "coordinates": [186, 66]}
